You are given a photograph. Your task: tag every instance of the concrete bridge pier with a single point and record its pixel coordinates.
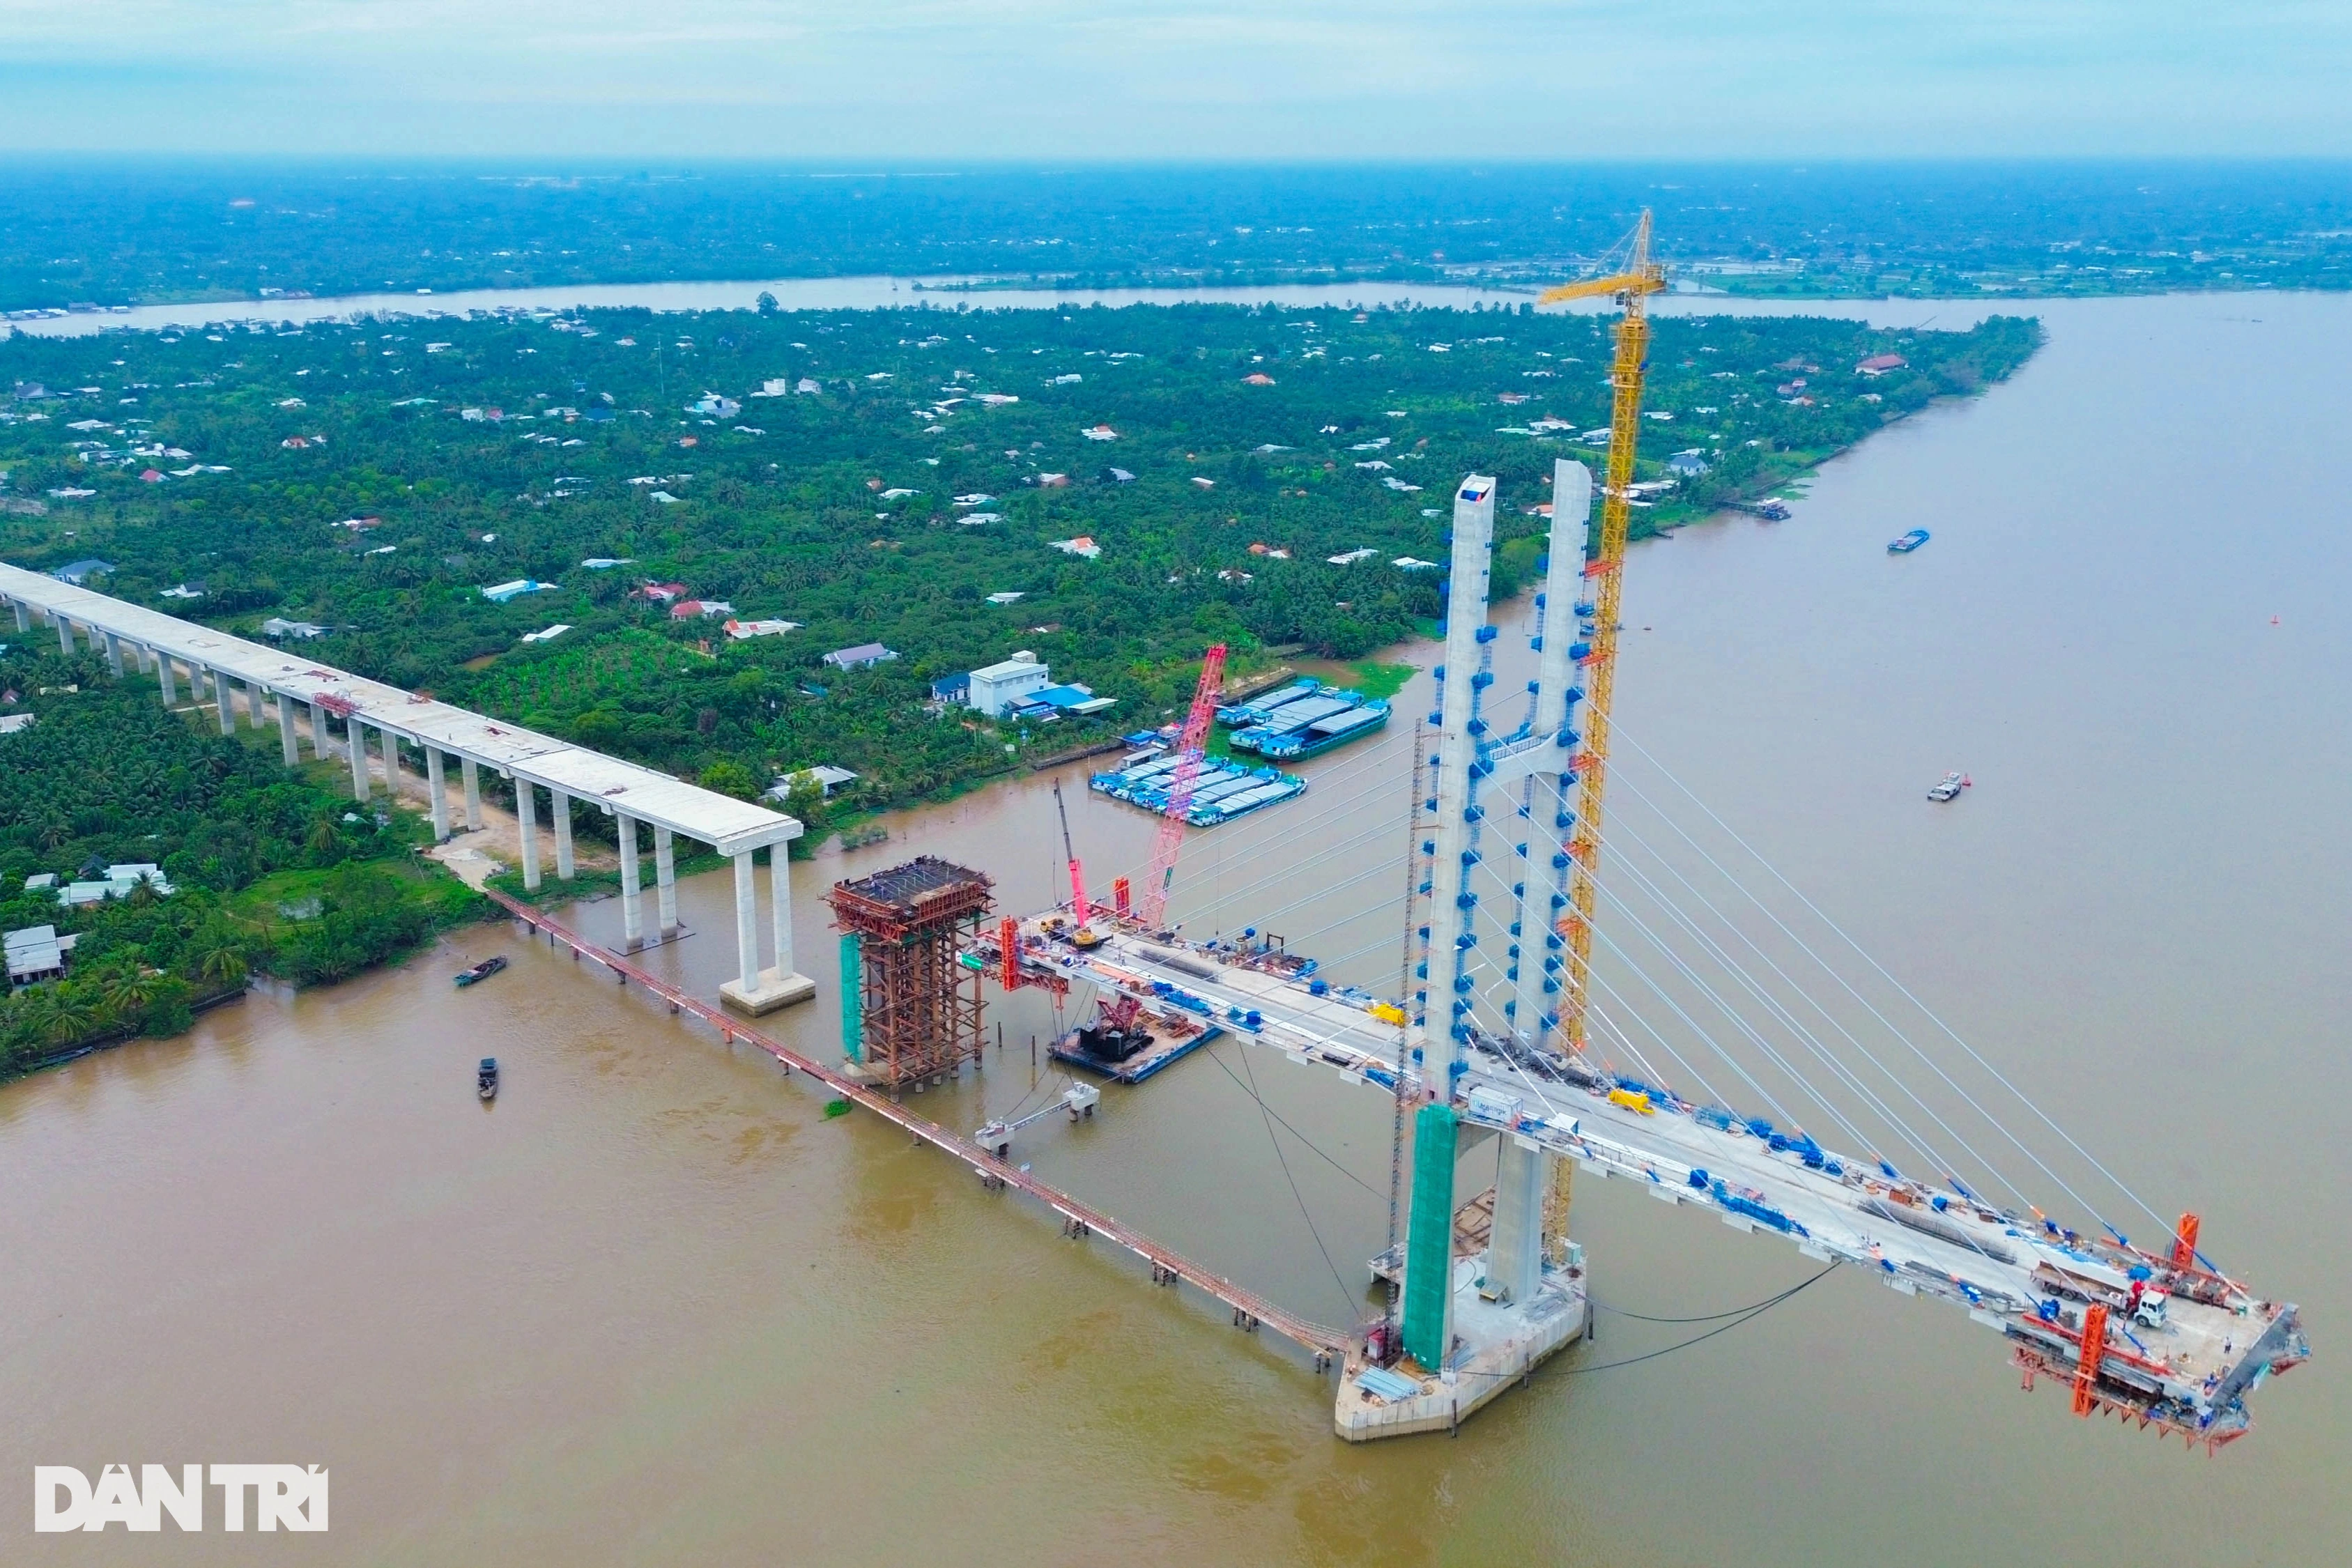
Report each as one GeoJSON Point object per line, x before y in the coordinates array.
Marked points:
{"type": "Point", "coordinates": [253, 699]}
{"type": "Point", "coordinates": [114, 655]}
{"type": "Point", "coordinates": [560, 807]}
{"type": "Point", "coordinates": [473, 778]}
{"type": "Point", "coordinates": [163, 675]}
{"type": "Point", "coordinates": [761, 990]}
{"type": "Point", "coordinates": [633, 925]}
{"type": "Point", "coordinates": [224, 698]}
{"type": "Point", "coordinates": [356, 733]}
{"type": "Point", "coordinates": [665, 880]}
{"type": "Point", "coordinates": [391, 767]}
{"type": "Point", "coordinates": [527, 815]}
{"type": "Point", "coordinates": [286, 744]}
{"type": "Point", "coordinates": [24, 618]}
{"type": "Point", "coordinates": [65, 634]}
{"type": "Point", "coordinates": [436, 786]}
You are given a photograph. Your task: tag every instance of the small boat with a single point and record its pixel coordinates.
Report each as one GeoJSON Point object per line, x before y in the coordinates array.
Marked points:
{"type": "Point", "coordinates": [1947, 787]}
{"type": "Point", "coordinates": [1907, 543]}
{"type": "Point", "coordinates": [486, 1079]}
{"type": "Point", "coordinates": [483, 969]}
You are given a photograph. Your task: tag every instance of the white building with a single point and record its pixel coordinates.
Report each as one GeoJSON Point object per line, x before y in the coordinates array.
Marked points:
{"type": "Point", "coordinates": [37, 953]}
{"type": "Point", "coordinates": [999, 686]}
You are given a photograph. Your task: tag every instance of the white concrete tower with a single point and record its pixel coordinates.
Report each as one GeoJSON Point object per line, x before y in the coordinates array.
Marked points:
{"type": "Point", "coordinates": [1447, 984]}
{"type": "Point", "coordinates": [1543, 878]}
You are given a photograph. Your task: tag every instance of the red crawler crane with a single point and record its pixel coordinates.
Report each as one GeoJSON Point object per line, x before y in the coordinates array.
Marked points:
{"type": "Point", "coordinates": [1153, 906]}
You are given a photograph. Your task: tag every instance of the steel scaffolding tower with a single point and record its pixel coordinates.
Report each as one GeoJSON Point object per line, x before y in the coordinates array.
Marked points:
{"type": "Point", "coordinates": [917, 1005]}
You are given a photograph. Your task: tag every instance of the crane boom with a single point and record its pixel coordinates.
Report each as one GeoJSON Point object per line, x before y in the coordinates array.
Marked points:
{"type": "Point", "coordinates": [1078, 877]}
{"type": "Point", "coordinates": [1189, 746]}
{"type": "Point", "coordinates": [1631, 287]}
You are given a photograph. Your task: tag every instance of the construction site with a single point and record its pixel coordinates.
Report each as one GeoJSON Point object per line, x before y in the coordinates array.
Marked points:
{"type": "Point", "coordinates": [1514, 1027]}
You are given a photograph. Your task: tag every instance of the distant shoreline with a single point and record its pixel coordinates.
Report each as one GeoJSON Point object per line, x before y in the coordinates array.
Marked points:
{"type": "Point", "coordinates": [847, 292]}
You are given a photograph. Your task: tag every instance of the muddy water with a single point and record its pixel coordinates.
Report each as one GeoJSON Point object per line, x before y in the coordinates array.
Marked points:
{"type": "Point", "coordinates": [652, 1306]}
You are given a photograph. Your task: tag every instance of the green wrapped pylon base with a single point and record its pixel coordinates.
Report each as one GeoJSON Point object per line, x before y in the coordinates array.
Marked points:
{"type": "Point", "coordinates": [1429, 1236]}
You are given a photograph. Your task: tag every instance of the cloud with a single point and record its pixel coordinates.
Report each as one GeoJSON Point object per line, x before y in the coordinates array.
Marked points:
{"type": "Point", "coordinates": [1178, 78]}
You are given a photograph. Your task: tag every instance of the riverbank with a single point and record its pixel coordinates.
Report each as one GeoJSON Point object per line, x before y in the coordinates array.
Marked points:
{"type": "Point", "coordinates": [194, 859]}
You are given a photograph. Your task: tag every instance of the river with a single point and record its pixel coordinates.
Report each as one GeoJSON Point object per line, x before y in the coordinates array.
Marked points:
{"type": "Point", "coordinates": [875, 292]}
{"type": "Point", "coordinates": [652, 1306]}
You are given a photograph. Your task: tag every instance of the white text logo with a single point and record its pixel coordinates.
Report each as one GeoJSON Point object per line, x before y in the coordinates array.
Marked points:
{"type": "Point", "coordinates": [285, 1497]}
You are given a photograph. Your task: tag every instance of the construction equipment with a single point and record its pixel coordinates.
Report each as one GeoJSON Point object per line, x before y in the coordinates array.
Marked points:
{"type": "Point", "coordinates": [1081, 935]}
{"type": "Point", "coordinates": [996, 1137]}
{"type": "Point", "coordinates": [1631, 286]}
{"type": "Point", "coordinates": [1162, 877]}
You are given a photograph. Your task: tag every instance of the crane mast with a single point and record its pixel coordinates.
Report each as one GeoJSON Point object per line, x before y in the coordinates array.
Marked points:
{"type": "Point", "coordinates": [1632, 287]}
{"type": "Point", "coordinates": [1162, 877]}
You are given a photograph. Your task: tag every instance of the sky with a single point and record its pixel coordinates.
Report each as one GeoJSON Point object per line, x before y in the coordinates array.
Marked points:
{"type": "Point", "coordinates": [903, 83]}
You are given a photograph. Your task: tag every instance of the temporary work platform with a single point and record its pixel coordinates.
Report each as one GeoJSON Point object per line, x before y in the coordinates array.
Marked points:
{"type": "Point", "coordinates": [916, 1014]}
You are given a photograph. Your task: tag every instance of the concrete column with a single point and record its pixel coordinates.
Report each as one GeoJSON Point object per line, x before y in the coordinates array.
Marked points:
{"type": "Point", "coordinates": [356, 732]}
{"type": "Point", "coordinates": [65, 634]}
{"type": "Point", "coordinates": [527, 814]}
{"type": "Point", "coordinates": [747, 925]}
{"type": "Point", "coordinates": [24, 618]}
{"type": "Point", "coordinates": [391, 766]}
{"type": "Point", "coordinates": [438, 788]}
{"type": "Point", "coordinates": [473, 793]}
{"type": "Point", "coordinates": [286, 745]}
{"type": "Point", "coordinates": [780, 899]}
{"type": "Point", "coordinates": [253, 695]}
{"type": "Point", "coordinates": [560, 805]}
{"type": "Point", "coordinates": [665, 882]}
{"type": "Point", "coordinates": [114, 655]}
{"type": "Point", "coordinates": [633, 927]}
{"type": "Point", "coordinates": [318, 730]}
{"type": "Point", "coordinates": [225, 696]}
{"type": "Point", "coordinates": [1514, 1248]}
{"type": "Point", "coordinates": [1543, 880]}
{"type": "Point", "coordinates": [1444, 998]}
{"type": "Point", "coordinates": [163, 678]}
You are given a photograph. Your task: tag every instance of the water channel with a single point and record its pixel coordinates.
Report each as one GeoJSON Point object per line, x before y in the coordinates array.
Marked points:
{"type": "Point", "coordinates": [652, 1306]}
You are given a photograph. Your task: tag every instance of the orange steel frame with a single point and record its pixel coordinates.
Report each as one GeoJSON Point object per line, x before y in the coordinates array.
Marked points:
{"type": "Point", "coordinates": [921, 1005]}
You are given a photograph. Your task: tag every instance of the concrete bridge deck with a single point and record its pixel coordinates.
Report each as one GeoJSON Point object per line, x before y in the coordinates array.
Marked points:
{"type": "Point", "coordinates": [217, 663]}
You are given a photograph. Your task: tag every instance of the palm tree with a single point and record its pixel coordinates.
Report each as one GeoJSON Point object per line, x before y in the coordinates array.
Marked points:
{"type": "Point", "coordinates": [65, 1017]}
{"type": "Point", "coordinates": [130, 991]}
{"type": "Point", "coordinates": [218, 954]}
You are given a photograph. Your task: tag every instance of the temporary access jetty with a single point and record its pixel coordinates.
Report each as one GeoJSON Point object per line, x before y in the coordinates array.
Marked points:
{"type": "Point", "coordinates": [1251, 1311]}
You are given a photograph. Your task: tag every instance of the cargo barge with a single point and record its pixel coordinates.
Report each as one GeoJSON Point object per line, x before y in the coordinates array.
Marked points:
{"type": "Point", "coordinates": [1224, 788]}
{"type": "Point", "coordinates": [1323, 734]}
{"type": "Point", "coordinates": [1302, 721]}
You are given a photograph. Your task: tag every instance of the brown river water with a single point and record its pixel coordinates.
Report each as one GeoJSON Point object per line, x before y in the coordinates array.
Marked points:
{"type": "Point", "coordinates": [652, 1306]}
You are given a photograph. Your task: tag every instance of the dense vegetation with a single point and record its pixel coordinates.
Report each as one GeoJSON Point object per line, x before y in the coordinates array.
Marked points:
{"type": "Point", "coordinates": [108, 233]}
{"type": "Point", "coordinates": [270, 870]}
{"type": "Point", "coordinates": [373, 476]}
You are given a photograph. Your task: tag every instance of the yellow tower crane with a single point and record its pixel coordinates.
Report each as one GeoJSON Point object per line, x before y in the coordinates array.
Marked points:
{"type": "Point", "coordinates": [1631, 286]}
